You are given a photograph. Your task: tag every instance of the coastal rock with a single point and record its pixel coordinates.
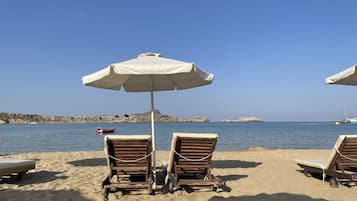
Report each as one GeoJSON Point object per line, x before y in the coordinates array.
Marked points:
{"type": "Point", "coordinates": [13, 118]}
{"type": "Point", "coordinates": [244, 119]}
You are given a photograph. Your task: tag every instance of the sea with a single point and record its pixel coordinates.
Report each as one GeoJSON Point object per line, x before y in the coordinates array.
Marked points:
{"type": "Point", "coordinates": [25, 138]}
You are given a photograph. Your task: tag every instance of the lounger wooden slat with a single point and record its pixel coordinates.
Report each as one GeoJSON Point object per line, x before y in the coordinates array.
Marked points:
{"type": "Point", "coordinates": [127, 168]}
{"type": "Point", "coordinates": [126, 143]}
{"type": "Point", "coordinates": [192, 172]}
{"type": "Point", "coordinates": [129, 161]}
{"type": "Point", "coordinates": [130, 151]}
{"type": "Point", "coordinates": [204, 143]}
{"type": "Point", "coordinates": [122, 166]}
{"type": "Point", "coordinates": [123, 147]}
{"type": "Point", "coordinates": [350, 145]}
{"type": "Point", "coordinates": [123, 172]}
{"type": "Point", "coordinates": [347, 165]}
{"type": "Point", "coordinates": [350, 151]}
{"type": "Point", "coordinates": [193, 152]}
{"type": "Point", "coordinates": [130, 154]}
{"type": "Point", "coordinates": [197, 145]}
{"type": "Point", "coordinates": [184, 162]}
{"type": "Point", "coordinates": [347, 160]}
{"type": "Point", "coordinates": [187, 158]}
{"type": "Point", "coordinates": [351, 142]}
{"type": "Point", "coordinates": [341, 164]}
{"type": "Point", "coordinates": [346, 146]}
{"type": "Point", "coordinates": [196, 148]}
{"type": "Point", "coordinates": [198, 140]}
{"type": "Point", "coordinates": [137, 158]}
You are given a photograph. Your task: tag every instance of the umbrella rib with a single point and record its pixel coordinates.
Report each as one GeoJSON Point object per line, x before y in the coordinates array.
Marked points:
{"type": "Point", "coordinates": [175, 83]}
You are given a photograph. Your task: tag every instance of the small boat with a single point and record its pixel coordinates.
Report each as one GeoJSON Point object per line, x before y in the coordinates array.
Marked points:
{"type": "Point", "coordinates": [105, 130]}
{"type": "Point", "coordinates": [353, 120]}
{"type": "Point", "coordinates": [346, 120]}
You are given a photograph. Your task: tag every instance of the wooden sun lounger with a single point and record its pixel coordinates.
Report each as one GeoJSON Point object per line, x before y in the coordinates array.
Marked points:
{"type": "Point", "coordinates": [341, 165]}
{"type": "Point", "coordinates": [189, 162]}
{"type": "Point", "coordinates": [129, 163]}
{"type": "Point", "coordinates": [9, 167]}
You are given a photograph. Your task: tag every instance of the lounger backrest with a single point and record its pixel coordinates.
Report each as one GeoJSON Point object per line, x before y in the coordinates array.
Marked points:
{"type": "Point", "coordinates": [344, 154]}
{"type": "Point", "coordinates": [124, 151]}
{"type": "Point", "coordinates": [191, 152]}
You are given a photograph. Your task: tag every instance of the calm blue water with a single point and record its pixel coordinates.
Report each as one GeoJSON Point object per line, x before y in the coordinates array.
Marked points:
{"type": "Point", "coordinates": [232, 136]}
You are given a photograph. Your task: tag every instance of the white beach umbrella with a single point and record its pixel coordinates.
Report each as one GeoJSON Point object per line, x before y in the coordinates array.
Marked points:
{"type": "Point", "coordinates": [149, 72]}
{"type": "Point", "coordinates": [345, 77]}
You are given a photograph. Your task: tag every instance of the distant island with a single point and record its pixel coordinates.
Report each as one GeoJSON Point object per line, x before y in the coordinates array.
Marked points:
{"type": "Point", "coordinates": [244, 119]}
{"type": "Point", "coordinates": [14, 118]}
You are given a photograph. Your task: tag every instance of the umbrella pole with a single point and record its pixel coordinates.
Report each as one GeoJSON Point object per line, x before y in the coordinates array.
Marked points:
{"type": "Point", "coordinates": [153, 161]}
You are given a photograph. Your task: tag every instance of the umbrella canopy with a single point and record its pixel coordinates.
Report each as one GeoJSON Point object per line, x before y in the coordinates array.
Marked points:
{"type": "Point", "coordinates": [149, 72]}
{"type": "Point", "coordinates": [345, 77]}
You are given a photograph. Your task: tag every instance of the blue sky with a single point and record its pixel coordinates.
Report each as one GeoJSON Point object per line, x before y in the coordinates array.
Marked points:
{"type": "Point", "coordinates": [270, 58]}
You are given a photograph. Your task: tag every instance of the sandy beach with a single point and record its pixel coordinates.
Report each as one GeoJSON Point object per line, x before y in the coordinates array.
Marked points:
{"type": "Point", "coordinates": [256, 174]}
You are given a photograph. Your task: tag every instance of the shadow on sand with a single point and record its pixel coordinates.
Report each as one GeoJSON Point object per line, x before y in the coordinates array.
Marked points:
{"type": "Point", "coordinates": [232, 177]}
{"type": "Point", "coordinates": [34, 178]}
{"type": "Point", "coordinates": [267, 197]}
{"type": "Point", "coordinates": [42, 195]}
{"type": "Point", "coordinates": [90, 162]}
{"type": "Point", "coordinates": [233, 164]}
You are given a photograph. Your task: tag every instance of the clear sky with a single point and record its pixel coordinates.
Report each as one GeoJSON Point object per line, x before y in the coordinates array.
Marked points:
{"type": "Point", "coordinates": [270, 58]}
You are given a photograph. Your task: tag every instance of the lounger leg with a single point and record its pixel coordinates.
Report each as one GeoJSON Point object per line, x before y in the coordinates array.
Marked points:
{"type": "Point", "coordinates": [166, 184]}
{"type": "Point", "coordinates": [306, 173]}
{"type": "Point", "coordinates": [106, 181]}
{"type": "Point", "coordinates": [171, 187]}
{"type": "Point", "coordinates": [20, 175]}
{"type": "Point", "coordinates": [333, 182]}
{"type": "Point", "coordinates": [169, 184]}
{"type": "Point", "coordinates": [105, 194]}
{"type": "Point", "coordinates": [151, 189]}
{"type": "Point", "coordinates": [214, 188]}
{"type": "Point", "coordinates": [105, 189]}
{"type": "Point", "coordinates": [225, 188]}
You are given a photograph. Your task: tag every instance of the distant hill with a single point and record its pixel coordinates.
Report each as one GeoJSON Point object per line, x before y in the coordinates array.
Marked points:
{"type": "Point", "coordinates": [14, 118]}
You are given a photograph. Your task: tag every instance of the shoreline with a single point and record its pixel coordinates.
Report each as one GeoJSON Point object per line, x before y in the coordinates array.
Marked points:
{"type": "Point", "coordinates": [20, 118]}
{"type": "Point", "coordinates": [260, 174]}
{"type": "Point", "coordinates": [250, 149]}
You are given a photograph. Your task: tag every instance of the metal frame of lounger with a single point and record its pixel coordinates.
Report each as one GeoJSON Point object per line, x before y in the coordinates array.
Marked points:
{"type": "Point", "coordinates": [129, 163]}
{"type": "Point", "coordinates": [16, 167]}
{"type": "Point", "coordinates": [341, 165]}
{"type": "Point", "coordinates": [189, 164]}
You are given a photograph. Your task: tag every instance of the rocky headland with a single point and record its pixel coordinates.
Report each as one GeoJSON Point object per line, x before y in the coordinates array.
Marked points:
{"type": "Point", "coordinates": [14, 118]}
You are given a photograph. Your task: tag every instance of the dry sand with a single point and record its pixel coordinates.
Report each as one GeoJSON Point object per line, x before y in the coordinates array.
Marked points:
{"type": "Point", "coordinates": [255, 174]}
